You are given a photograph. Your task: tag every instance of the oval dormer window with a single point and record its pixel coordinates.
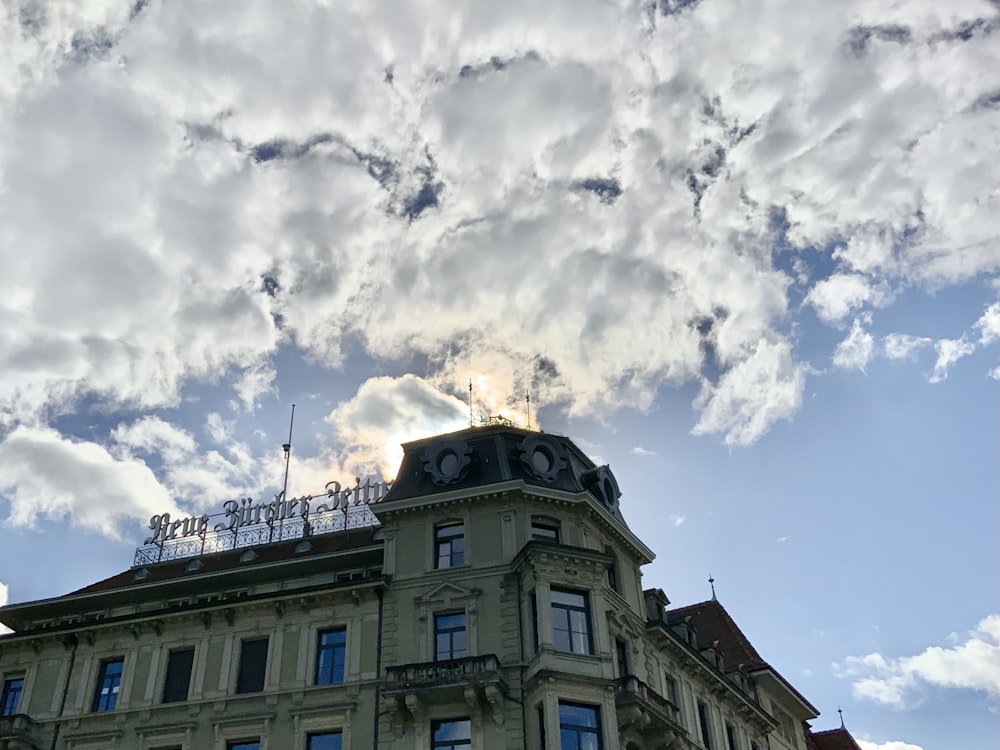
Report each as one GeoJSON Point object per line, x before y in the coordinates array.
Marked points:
{"type": "Point", "coordinates": [541, 459]}
{"type": "Point", "coordinates": [448, 464]}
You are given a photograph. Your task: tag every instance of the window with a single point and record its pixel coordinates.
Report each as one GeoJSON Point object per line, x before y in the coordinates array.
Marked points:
{"type": "Point", "coordinates": [324, 741]}
{"type": "Point", "coordinates": [612, 569]}
{"type": "Point", "coordinates": [571, 622]}
{"type": "Point", "coordinates": [451, 734]}
{"type": "Point", "coordinates": [450, 638]}
{"type": "Point", "coordinates": [179, 663]}
{"type": "Point", "coordinates": [579, 727]}
{"type": "Point", "coordinates": [730, 737]}
{"type": "Point", "coordinates": [543, 527]}
{"type": "Point", "coordinates": [243, 745]}
{"type": "Point", "coordinates": [109, 681]}
{"type": "Point", "coordinates": [621, 652]}
{"type": "Point", "coordinates": [253, 664]}
{"type": "Point", "coordinates": [331, 651]}
{"type": "Point", "coordinates": [670, 688]}
{"type": "Point", "coordinates": [541, 726]}
{"type": "Point", "coordinates": [706, 728]}
{"type": "Point", "coordinates": [10, 699]}
{"type": "Point", "coordinates": [449, 545]}
{"type": "Point", "coordinates": [534, 619]}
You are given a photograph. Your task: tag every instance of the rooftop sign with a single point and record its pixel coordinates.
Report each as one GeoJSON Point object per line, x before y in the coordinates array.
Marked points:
{"type": "Point", "coordinates": [245, 523]}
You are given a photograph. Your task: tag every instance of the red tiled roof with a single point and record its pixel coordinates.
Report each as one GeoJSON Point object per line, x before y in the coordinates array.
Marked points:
{"type": "Point", "coordinates": [831, 739]}
{"type": "Point", "coordinates": [714, 626]}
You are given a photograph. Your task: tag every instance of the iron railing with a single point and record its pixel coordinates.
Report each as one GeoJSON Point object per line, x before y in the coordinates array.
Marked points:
{"type": "Point", "coordinates": [631, 687]}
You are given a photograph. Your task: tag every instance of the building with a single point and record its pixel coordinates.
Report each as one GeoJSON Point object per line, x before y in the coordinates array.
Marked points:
{"type": "Point", "coordinates": [491, 598]}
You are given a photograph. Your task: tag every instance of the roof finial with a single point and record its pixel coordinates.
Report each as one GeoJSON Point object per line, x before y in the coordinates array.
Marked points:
{"type": "Point", "coordinates": [471, 421]}
{"type": "Point", "coordinates": [841, 712]}
{"type": "Point", "coordinates": [527, 400]}
{"type": "Point", "coordinates": [711, 582]}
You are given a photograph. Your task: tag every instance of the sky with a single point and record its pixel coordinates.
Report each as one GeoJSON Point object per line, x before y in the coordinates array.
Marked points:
{"type": "Point", "coordinates": [744, 252]}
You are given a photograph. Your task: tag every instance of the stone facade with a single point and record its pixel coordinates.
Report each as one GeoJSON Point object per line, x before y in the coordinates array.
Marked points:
{"type": "Point", "coordinates": [497, 605]}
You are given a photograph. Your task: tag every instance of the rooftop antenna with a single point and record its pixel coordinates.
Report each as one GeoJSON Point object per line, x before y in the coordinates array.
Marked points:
{"type": "Point", "coordinates": [841, 712]}
{"type": "Point", "coordinates": [287, 448]}
{"type": "Point", "coordinates": [711, 582]}
{"type": "Point", "coordinates": [527, 399]}
{"type": "Point", "coordinates": [471, 422]}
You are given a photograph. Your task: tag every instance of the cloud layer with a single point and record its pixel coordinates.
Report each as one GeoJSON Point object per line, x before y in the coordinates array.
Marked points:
{"type": "Point", "coordinates": [972, 663]}
{"type": "Point", "coordinates": [586, 200]}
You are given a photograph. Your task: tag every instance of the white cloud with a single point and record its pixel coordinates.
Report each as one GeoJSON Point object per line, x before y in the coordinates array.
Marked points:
{"type": "Point", "coordinates": [856, 350]}
{"type": "Point", "coordinates": [4, 593]}
{"type": "Point", "coordinates": [587, 191]}
{"type": "Point", "coordinates": [640, 451]}
{"type": "Point", "coordinates": [678, 520]}
{"type": "Point", "coordinates": [46, 475]}
{"type": "Point", "coordinates": [890, 745]}
{"type": "Point", "coordinates": [903, 346]}
{"type": "Point", "coordinates": [949, 351]}
{"type": "Point", "coordinates": [989, 325]}
{"type": "Point", "coordinates": [972, 664]}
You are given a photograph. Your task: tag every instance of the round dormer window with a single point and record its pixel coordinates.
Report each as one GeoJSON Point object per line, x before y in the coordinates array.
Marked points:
{"type": "Point", "coordinates": [541, 459]}
{"type": "Point", "coordinates": [447, 460]}
{"type": "Point", "coordinates": [448, 464]}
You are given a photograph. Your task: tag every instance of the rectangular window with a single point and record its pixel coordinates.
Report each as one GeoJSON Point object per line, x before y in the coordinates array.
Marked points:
{"type": "Point", "coordinates": [579, 727]}
{"type": "Point", "coordinates": [179, 664]}
{"type": "Point", "coordinates": [534, 620]}
{"type": "Point", "coordinates": [10, 699]}
{"type": "Point", "coordinates": [243, 745]}
{"type": "Point", "coordinates": [451, 734]}
{"type": "Point", "coordinates": [612, 569]}
{"type": "Point", "coordinates": [621, 652]}
{"type": "Point", "coordinates": [331, 653]}
{"type": "Point", "coordinates": [541, 726]}
{"type": "Point", "coordinates": [324, 741]}
{"type": "Point", "coordinates": [253, 665]}
{"type": "Point", "coordinates": [545, 528]}
{"type": "Point", "coordinates": [109, 681]}
{"type": "Point", "coordinates": [670, 688]}
{"type": "Point", "coordinates": [731, 738]}
{"type": "Point", "coordinates": [571, 622]}
{"type": "Point", "coordinates": [449, 546]}
{"type": "Point", "coordinates": [450, 638]}
{"type": "Point", "coordinates": [706, 727]}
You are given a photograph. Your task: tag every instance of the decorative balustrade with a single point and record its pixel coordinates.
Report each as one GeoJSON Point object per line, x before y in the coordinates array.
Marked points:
{"type": "Point", "coordinates": [19, 732]}
{"type": "Point", "coordinates": [471, 669]}
{"type": "Point", "coordinates": [632, 690]}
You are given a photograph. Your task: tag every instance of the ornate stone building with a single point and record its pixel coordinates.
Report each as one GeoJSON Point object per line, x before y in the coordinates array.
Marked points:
{"type": "Point", "coordinates": [492, 598]}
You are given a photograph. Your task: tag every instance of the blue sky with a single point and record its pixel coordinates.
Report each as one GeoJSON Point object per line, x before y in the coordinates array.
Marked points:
{"type": "Point", "coordinates": [745, 252]}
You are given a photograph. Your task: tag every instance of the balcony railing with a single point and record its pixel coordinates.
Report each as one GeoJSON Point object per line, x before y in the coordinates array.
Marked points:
{"type": "Point", "coordinates": [471, 669]}
{"type": "Point", "coordinates": [18, 732]}
{"type": "Point", "coordinates": [632, 690]}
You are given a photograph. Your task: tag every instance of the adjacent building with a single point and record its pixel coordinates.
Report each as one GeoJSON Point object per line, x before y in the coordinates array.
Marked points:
{"type": "Point", "coordinates": [492, 598]}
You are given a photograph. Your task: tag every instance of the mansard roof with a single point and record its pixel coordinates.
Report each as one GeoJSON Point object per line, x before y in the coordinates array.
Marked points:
{"type": "Point", "coordinates": [831, 739]}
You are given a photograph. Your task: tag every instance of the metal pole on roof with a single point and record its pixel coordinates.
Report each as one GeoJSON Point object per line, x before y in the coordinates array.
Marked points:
{"type": "Point", "coordinates": [287, 448]}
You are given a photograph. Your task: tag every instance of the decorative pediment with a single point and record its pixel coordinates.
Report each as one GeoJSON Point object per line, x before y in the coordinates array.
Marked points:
{"type": "Point", "coordinates": [448, 594]}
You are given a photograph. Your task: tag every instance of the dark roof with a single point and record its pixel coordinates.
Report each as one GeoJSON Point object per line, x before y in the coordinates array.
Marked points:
{"type": "Point", "coordinates": [831, 739]}
{"type": "Point", "coordinates": [714, 627]}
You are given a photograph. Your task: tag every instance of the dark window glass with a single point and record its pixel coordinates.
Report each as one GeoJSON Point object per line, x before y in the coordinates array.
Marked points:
{"type": "Point", "coordinates": [331, 652]}
{"type": "Point", "coordinates": [10, 699]}
{"type": "Point", "coordinates": [612, 570]}
{"type": "Point", "coordinates": [178, 680]}
{"type": "Point", "coordinates": [670, 686]}
{"type": "Point", "coordinates": [243, 745]}
{"type": "Point", "coordinates": [451, 734]}
{"type": "Point", "coordinates": [253, 664]}
{"type": "Point", "coordinates": [706, 728]}
{"type": "Point", "coordinates": [730, 737]}
{"type": "Point", "coordinates": [450, 638]}
{"type": "Point", "coordinates": [109, 681]}
{"type": "Point", "coordinates": [545, 528]}
{"type": "Point", "coordinates": [325, 741]}
{"type": "Point", "coordinates": [449, 545]}
{"type": "Point", "coordinates": [579, 727]}
{"type": "Point", "coordinates": [571, 622]}
{"type": "Point", "coordinates": [541, 726]}
{"type": "Point", "coordinates": [621, 651]}
{"type": "Point", "coordinates": [534, 620]}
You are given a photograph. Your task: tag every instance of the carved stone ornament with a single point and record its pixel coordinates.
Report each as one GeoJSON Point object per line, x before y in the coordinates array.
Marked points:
{"type": "Point", "coordinates": [542, 457]}
{"type": "Point", "coordinates": [446, 460]}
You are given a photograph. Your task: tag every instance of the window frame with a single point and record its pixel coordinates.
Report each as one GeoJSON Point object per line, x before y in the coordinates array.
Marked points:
{"type": "Point", "coordinates": [705, 725]}
{"type": "Point", "coordinates": [579, 730]}
{"type": "Point", "coordinates": [244, 744]}
{"type": "Point", "coordinates": [167, 674]}
{"type": "Point", "coordinates": [239, 688]}
{"type": "Point", "coordinates": [100, 705]}
{"type": "Point", "coordinates": [585, 609]}
{"type": "Point", "coordinates": [310, 736]}
{"type": "Point", "coordinates": [8, 691]}
{"type": "Point", "coordinates": [449, 744]}
{"type": "Point", "coordinates": [548, 524]}
{"type": "Point", "coordinates": [333, 648]}
{"type": "Point", "coordinates": [450, 631]}
{"type": "Point", "coordinates": [442, 539]}
{"type": "Point", "coordinates": [621, 656]}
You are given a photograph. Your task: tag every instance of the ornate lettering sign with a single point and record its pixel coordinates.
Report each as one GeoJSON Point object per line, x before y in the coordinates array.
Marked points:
{"type": "Point", "coordinates": [245, 522]}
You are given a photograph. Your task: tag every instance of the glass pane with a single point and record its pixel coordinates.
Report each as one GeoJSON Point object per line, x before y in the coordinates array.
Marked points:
{"type": "Point", "coordinates": [560, 640]}
{"type": "Point", "coordinates": [568, 740]}
{"type": "Point", "coordinates": [579, 716]}
{"type": "Point", "coordinates": [578, 621]}
{"type": "Point", "coordinates": [330, 741]}
{"type": "Point", "coordinates": [450, 621]}
{"type": "Point", "coordinates": [459, 729]}
{"type": "Point", "coordinates": [589, 741]}
{"type": "Point", "coordinates": [443, 646]}
{"type": "Point", "coordinates": [568, 598]}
